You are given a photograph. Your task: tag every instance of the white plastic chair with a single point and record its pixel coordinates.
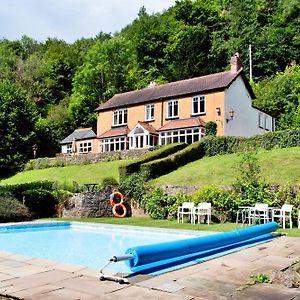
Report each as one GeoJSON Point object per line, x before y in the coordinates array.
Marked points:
{"type": "Point", "coordinates": [259, 212]}
{"type": "Point", "coordinates": [185, 210]}
{"type": "Point", "coordinates": [284, 213]}
{"type": "Point", "coordinates": [203, 209]}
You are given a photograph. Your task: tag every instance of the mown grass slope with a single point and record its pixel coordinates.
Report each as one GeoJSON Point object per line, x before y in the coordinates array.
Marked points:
{"type": "Point", "coordinates": [279, 166]}
{"type": "Point", "coordinates": [93, 173]}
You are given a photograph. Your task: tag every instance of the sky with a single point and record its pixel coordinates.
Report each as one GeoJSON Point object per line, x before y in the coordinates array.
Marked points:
{"type": "Point", "coordinates": [70, 20]}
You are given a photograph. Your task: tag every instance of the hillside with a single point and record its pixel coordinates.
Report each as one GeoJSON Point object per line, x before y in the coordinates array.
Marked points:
{"type": "Point", "coordinates": [93, 173]}
{"type": "Point", "coordinates": [277, 166]}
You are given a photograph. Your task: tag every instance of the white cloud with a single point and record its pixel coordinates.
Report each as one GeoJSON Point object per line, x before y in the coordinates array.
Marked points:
{"type": "Point", "coordinates": [70, 19]}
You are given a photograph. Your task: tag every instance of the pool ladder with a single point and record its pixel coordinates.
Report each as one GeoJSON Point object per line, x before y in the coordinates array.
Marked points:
{"type": "Point", "coordinates": [120, 280]}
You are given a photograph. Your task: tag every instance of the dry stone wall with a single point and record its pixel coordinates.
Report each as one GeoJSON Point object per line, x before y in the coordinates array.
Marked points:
{"type": "Point", "coordinates": [88, 205]}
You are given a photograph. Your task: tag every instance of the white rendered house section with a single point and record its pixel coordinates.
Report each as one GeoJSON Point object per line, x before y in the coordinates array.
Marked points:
{"type": "Point", "coordinates": [247, 120]}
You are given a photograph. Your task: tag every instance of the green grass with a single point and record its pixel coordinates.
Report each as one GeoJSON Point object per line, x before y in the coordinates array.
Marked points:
{"type": "Point", "coordinates": [171, 224]}
{"type": "Point", "coordinates": [94, 173]}
{"type": "Point", "coordinates": [278, 166]}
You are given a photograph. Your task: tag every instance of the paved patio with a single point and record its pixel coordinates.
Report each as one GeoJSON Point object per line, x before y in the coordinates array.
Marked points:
{"type": "Point", "coordinates": [30, 278]}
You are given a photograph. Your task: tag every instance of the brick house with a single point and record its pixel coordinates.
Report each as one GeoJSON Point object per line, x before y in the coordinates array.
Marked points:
{"type": "Point", "coordinates": [178, 111]}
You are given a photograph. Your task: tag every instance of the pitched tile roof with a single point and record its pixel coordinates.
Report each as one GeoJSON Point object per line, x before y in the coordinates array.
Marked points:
{"type": "Point", "coordinates": [182, 123]}
{"type": "Point", "coordinates": [215, 81]}
{"type": "Point", "coordinates": [79, 134]}
{"type": "Point", "coordinates": [115, 132]}
{"type": "Point", "coordinates": [148, 127]}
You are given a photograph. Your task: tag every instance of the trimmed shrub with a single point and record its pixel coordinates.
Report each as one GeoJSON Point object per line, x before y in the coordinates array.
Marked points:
{"type": "Point", "coordinates": [172, 162]}
{"type": "Point", "coordinates": [155, 154]}
{"type": "Point", "coordinates": [12, 210]}
{"type": "Point", "coordinates": [109, 181]}
{"type": "Point", "coordinates": [211, 128]}
{"type": "Point", "coordinates": [17, 190]}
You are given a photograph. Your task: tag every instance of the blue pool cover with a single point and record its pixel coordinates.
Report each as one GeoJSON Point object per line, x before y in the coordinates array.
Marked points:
{"type": "Point", "coordinates": [155, 257]}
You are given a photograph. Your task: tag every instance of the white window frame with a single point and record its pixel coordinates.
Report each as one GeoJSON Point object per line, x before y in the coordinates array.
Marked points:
{"type": "Point", "coordinates": [181, 135]}
{"type": "Point", "coordinates": [69, 149]}
{"type": "Point", "coordinates": [85, 147]}
{"type": "Point", "coordinates": [120, 117]}
{"type": "Point", "coordinates": [149, 112]}
{"type": "Point", "coordinates": [116, 144]}
{"type": "Point", "coordinates": [172, 103]}
{"type": "Point", "coordinates": [199, 99]}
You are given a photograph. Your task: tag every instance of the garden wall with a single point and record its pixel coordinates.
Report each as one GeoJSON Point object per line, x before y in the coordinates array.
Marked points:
{"type": "Point", "coordinates": [64, 160]}
{"type": "Point", "coordinates": [88, 205]}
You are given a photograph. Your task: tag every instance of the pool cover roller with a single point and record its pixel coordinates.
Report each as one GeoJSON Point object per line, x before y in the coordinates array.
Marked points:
{"type": "Point", "coordinates": [158, 256]}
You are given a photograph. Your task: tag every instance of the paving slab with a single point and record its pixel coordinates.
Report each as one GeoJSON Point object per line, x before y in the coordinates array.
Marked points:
{"type": "Point", "coordinates": [90, 285]}
{"type": "Point", "coordinates": [134, 292]}
{"type": "Point", "coordinates": [266, 292]}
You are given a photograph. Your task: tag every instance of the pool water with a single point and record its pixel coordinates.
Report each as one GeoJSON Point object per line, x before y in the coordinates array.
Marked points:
{"type": "Point", "coordinates": [80, 244]}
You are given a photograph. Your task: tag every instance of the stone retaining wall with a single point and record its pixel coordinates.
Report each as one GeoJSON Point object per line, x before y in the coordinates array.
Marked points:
{"type": "Point", "coordinates": [88, 205]}
{"type": "Point", "coordinates": [105, 156]}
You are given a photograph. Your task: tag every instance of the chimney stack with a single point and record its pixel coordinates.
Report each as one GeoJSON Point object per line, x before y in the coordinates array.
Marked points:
{"type": "Point", "coordinates": [235, 63]}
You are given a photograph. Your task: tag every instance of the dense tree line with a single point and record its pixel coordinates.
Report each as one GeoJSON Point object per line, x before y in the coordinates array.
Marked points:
{"type": "Point", "coordinates": [48, 89]}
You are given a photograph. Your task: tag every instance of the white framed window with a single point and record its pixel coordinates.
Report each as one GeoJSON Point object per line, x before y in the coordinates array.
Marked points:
{"type": "Point", "coordinates": [114, 144]}
{"type": "Point", "coordinates": [186, 135]}
{"type": "Point", "coordinates": [198, 105]}
{"type": "Point", "coordinates": [172, 109]}
{"type": "Point", "coordinates": [149, 112]}
{"type": "Point", "coordinates": [120, 117]}
{"type": "Point", "coordinates": [85, 147]}
{"type": "Point", "coordinates": [260, 120]}
{"type": "Point", "coordinates": [69, 148]}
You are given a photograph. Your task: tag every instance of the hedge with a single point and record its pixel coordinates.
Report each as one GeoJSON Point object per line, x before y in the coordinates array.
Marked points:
{"type": "Point", "coordinates": [172, 162]}
{"type": "Point", "coordinates": [211, 146]}
{"type": "Point", "coordinates": [39, 197]}
{"type": "Point", "coordinates": [134, 167]}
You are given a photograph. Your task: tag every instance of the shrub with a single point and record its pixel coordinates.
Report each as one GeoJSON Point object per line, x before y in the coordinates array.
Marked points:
{"type": "Point", "coordinates": [155, 154]}
{"type": "Point", "coordinates": [40, 202]}
{"type": "Point", "coordinates": [156, 203]}
{"type": "Point", "coordinates": [134, 187]}
{"type": "Point", "coordinates": [17, 190]}
{"type": "Point", "coordinates": [12, 210]}
{"type": "Point", "coordinates": [109, 181]}
{"type": "Point", "coordinates": [224, 204]}
{"type": "Point", "coordinates": [175, 202]}
{"type": "Point", "coordinates": [211, 128]}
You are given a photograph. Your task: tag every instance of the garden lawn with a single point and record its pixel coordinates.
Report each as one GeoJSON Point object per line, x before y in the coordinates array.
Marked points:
{"type": "Point", "coordinates": [280, 166]}
{"type": "Point", "coordinates": [171, 224]}
{"type": "Point", "coordinates": [92, 173]}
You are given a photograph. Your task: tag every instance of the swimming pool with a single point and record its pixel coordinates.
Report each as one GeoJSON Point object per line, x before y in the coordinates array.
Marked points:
{"type": "Point", "coordinates": [87, 245]}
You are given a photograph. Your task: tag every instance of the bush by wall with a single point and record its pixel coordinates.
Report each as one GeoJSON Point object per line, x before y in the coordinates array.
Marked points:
{"type": "Point", "coordinates": [12, 210]}
{"type": "Point", "coordinates": [17, 190]}
{"type": "Point", "coordinates": [39, 197]}
{"type": "Point", "coordinates": [155, 154]}
{"type": "Point", "coordinates": [41, 203]}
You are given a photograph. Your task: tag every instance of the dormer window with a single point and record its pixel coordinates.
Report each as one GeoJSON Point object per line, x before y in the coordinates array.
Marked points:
{"type": "Point", "coordinates": [120, 117]}
{"type": "Point", "coordinates": [149, 112]}
{"type": "Point", "coordinates": [198, 105]}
